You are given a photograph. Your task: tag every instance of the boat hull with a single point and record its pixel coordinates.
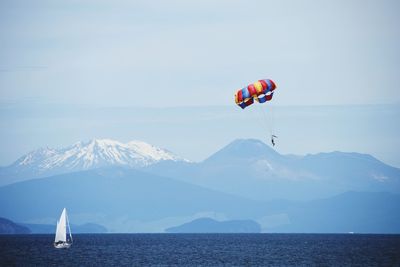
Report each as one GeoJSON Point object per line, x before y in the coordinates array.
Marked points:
{"type": "Point", "coordinates": [62, 245]}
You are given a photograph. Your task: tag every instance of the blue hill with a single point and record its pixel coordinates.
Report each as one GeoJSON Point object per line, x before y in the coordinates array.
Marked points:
{"type": "Point", "coordinates": [10, 227]}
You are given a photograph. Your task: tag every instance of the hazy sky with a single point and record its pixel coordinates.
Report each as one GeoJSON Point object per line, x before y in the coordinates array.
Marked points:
{"type": "Point", "coordinates": [174, 53]}
{"type": "Point", "coordinates": [76, 70]}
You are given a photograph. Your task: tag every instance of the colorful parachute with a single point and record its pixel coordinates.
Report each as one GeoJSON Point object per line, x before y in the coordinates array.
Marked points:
{"type": "Point", "coordinates": [261, 91]}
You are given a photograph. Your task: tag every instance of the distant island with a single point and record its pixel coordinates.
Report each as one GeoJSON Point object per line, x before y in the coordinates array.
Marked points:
{"type": "Point", "coordinates": [208, 225]}
{"type": "Point", "coordinates": [9, 227]}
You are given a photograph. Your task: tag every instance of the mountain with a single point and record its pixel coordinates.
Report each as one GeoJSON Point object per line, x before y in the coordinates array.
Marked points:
{"type": "Point", "coordinates": [121, 199]}
{"type": "Point", "coordinates": [10, 227]}
{"type": "Point", "coordinates": [250, 168]}
{"type": "Point", "coordinates": [84, 156]}
{"type": "Point", "coordinates": [208, 225]}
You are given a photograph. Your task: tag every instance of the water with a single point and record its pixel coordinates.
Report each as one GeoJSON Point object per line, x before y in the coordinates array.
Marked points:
{"type": "Point", "coordinates": [203, 250]}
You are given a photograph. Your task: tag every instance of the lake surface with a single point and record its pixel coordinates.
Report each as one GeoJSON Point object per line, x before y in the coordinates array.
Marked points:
{"type": "Point", "coordinates": [203, 250]}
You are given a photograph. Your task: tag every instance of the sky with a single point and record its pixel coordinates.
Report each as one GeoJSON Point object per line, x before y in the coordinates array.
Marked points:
{"type": "Point", "coordinates": [187, 53]}
{"type": "Point", "coordinates": [76, 70]}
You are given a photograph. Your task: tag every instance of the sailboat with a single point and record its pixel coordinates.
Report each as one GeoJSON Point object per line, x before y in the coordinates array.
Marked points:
{"type": "Point", "coordinates": [63, 237]}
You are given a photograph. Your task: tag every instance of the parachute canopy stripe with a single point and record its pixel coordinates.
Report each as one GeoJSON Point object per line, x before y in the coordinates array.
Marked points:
{"type": "Point", "coordinates": [265, 98]}
{"type": "Point", "coordinates": [245, 93]}
{"type": "Point", "coordinates": [261, 91]}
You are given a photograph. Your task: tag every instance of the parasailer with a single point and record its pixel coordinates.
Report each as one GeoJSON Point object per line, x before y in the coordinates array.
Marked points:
{"type": "Point", "coordinates": [261, 92]}
{"type": "Point", "coordinates": [273, 139]}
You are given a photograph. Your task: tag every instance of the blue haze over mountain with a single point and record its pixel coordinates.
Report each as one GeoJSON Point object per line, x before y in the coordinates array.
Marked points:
{"type": "Point", "coordinates": [120, 199]}
{"type": "Point", "coordinates": [358, 212]}
{"type": "Point", "coordinates": [76, 229]}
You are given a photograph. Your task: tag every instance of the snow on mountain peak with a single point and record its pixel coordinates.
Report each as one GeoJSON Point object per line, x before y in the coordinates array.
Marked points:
{"type": "Point", "coordinates": [152, 151]}
{"type": "Point", "coordinates": [93, 154]}
{"type": "Point", "coordinates": [32, 157]}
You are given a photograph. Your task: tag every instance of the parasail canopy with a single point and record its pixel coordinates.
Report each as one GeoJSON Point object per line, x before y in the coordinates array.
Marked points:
{"type": "Point", "coordinates": [260, 91]}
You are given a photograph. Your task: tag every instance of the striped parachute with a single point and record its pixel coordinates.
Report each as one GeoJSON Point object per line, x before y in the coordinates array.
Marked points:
{"type": "Point", "coordinates": [260, 91]}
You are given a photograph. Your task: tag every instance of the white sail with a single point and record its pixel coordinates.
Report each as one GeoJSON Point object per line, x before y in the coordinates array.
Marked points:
{"type": "Point", "coordinates": [57, 231]}
{"type": "Point", "coordinates": [61, 232]}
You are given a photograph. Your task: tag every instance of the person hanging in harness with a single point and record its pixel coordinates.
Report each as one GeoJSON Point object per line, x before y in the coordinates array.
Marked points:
{"type": "Point", "coordinates": [273, 139]}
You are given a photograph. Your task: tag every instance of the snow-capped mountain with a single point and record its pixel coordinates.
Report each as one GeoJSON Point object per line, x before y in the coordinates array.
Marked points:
{"type": "Point", "coordinates": [83, 156]}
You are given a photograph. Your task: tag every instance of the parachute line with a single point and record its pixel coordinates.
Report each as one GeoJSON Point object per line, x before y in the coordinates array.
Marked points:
{"type": "Point", "coordinates": [265, 119]}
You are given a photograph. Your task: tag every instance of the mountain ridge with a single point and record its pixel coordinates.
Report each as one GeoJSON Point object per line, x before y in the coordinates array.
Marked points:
{"type": "Point", "coordinates": [252, 169]}
{"type": "Point", "coordinates": [93, 154]}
